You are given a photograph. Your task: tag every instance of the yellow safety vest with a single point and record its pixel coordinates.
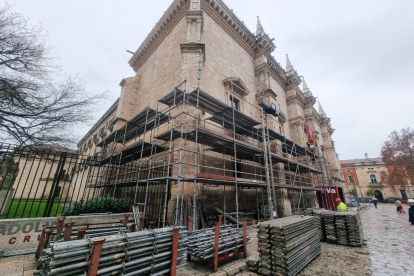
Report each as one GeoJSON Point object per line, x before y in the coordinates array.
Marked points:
{"type": "Point", "coordinates": [342, 207]}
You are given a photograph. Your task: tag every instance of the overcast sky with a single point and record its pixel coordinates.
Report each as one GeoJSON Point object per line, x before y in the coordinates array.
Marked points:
{"type": "Point", "coordinates": [356, 56]}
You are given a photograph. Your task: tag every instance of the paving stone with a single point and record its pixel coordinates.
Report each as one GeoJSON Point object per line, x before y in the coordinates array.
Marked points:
{"type": "Point", "coordinates": [12, 268]}
{"type": "Point", "coordinates": [396, 267]}
{"type": "Point", "coordinates": [29, 272]}
{"type": "Point", "coordinates": [219, 273]}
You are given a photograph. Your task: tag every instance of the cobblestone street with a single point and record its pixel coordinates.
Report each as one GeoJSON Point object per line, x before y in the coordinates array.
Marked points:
{"type": "Point", "coordinates": [390, 240]}
{"type": "Point", "coordinates": [388, 250]}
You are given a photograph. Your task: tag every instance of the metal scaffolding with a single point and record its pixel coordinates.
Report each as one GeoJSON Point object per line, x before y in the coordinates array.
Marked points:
{"type": "Point", "coordinates": [160, 152]}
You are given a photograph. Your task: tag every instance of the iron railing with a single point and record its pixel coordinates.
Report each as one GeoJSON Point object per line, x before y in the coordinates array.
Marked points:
{"type": "Point", "coordinates": [44, 182]}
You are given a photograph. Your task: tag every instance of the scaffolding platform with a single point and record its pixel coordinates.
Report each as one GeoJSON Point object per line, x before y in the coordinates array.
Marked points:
{"type": "Point", "coordinates": [224, 135]}
{"type": "Point", "coordinates": [128, 182]}
{"type": "Point", "coordinates": [133, 152]}
{"type": "Point", "coordinates": [224, 144]}
{"type": "Point", "coordinates": [244, 182]}
{"type": "Point", "coordinates": [146, 120]}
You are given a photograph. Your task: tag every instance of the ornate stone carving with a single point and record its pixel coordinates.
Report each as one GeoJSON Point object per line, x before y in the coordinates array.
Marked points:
{"type": "Point", "coordinates": [293, 79]}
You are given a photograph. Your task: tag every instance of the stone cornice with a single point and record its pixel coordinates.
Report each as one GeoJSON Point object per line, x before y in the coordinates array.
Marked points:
{"type": "Point", "coordinates": [297, 120]}
{"type": "Point", "coordinates": [277, 71]}
{"type": "Point", "coordinates": [217, 10]}
{"type": "Point", "coordinates": [165, 25]}
{"type": "Point", "coordinates": [192, 47]}
{"type": "Point", "coordinates": [277, 75]}
{"type": "Point", "coordinates": [296, 97]}
{"type": "Point", "coordinates": [104, 118]}
{"type": "Point", "coordinates": [264, 45]}
{"type": "Point", "coordinates": [267, 92]}
{"type": "Point", "coordinates": [314, 115]}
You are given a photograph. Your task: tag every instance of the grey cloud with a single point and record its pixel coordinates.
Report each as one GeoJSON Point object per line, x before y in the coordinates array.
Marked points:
{"type": "Point", "coordinates": [356, 56]}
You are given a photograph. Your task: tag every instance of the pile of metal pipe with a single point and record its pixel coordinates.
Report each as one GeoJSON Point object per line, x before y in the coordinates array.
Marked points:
{"type": "Point", "coordinates": [201, 242]}
{"type": "Point", "coordinates": [136, 253]}
{"type": "Point", "coordinates": [101, 231]}
{"type": "Point", "coordinates": [287, 245]}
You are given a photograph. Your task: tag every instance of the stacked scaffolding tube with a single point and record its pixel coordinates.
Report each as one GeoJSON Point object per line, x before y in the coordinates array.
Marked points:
{"type": "Point", "coordinates": [137, 253]}
{"type": "Point", "coordinates": [201, 242]}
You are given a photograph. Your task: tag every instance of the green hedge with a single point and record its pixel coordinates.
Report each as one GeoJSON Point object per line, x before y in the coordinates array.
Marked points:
{"type": "Point", "coordinates": [98, 205]}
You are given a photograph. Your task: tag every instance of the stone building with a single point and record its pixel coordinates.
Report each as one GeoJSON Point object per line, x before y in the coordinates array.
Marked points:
{"type": "Point", "coordinates": [201, 47]}
{"type": "Point", "coordinates": [365, 175]}
{"type": "Point", "coordinates": [28, 176]}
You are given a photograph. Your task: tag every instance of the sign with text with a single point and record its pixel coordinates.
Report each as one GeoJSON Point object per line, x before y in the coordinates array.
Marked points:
{"type": "Point", "coordinates": [17, 234]}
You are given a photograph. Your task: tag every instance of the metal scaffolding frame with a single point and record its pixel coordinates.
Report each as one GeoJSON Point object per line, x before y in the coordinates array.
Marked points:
{"type": "Point", "coordinates": [159, 147]}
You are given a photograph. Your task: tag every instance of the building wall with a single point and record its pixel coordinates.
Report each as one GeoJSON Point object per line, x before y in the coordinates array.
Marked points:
{"type": "Point", "coordinates": [161, 71]}
{"type": "Point", "coordinates": [349, 171]}
{"type": "Point", "coordinates": [224, 57]}
{"type": "Point", "coordinates": [362, 170]}
{"type": "Point", "coordinates": [282, 104]}
{"type": "Point", "coordinates": [84, 148]}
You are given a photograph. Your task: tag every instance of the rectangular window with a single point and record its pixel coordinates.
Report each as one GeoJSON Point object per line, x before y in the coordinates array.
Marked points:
{"type": "Point", "coordinates": [351, 179]}
{"type": "Point", "coordinates": [234, 103]}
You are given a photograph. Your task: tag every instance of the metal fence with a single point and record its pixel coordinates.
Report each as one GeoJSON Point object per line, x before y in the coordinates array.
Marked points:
{"type": "Point", "coordinates": [44, 181]}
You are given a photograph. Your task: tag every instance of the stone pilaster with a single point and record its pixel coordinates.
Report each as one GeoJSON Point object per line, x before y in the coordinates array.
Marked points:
{"type": "Point", "coordinates": [193, 50]}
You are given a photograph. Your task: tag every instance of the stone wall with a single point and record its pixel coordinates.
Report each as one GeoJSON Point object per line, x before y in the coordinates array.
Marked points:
{"type": "Point", "coordinates": [224, 57]}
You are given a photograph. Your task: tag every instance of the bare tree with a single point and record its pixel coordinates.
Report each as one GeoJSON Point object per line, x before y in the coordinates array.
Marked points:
{"type": "Point", "coordinates": [38, 104]}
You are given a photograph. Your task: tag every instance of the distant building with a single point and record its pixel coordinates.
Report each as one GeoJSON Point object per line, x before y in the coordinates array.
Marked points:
{"type": "Point", "coordinates": [34, 174]}
{"type": "Point", "coordinates": [365, 175]}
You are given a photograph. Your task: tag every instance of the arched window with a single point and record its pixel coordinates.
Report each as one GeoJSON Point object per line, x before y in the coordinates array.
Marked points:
{"type": "Point", "coordinates": [373, 179]}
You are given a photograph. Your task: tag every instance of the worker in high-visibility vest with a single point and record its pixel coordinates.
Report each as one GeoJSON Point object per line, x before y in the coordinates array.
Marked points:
{"type": "Point", "coordinates": [341, 207]}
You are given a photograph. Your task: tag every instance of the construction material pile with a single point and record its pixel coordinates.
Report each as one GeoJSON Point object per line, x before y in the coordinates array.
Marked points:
{"type": "Point", "coordinates": [344, 228]}
{"type": "Point", "coordinates": [349, 228]}
{"type": "Point", "coordinates": [253, 262]}
{"type": "Point", "coordinates": [330, 227]}
{"type": "Point", "coordinates": [287, 245]}
{"type": "Point", "coordinates": [201, 242]}
{"type": "Point", "coordinates": [93, 232]}
{"type": "Point", "coordinates": [136, 253]}
{"type": "Point", "coordinates": [317, 213]}
{"type": "Point", "coordinates": [341, 229]}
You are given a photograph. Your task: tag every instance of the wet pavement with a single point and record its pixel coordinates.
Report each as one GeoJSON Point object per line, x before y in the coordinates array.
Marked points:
{"type": "Point", "coordinates": [390, 240]}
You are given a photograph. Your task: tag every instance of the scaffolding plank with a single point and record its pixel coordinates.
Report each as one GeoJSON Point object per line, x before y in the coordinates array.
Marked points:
{"type": "Point", "coordinates": [128, 182]}
{"type": "Point", "coordinates": [296, 187]}
{"type": "Point", "coordinates": [166, 136]}
{"type": "Point", "coordinates": [173, 98]}
{"type": "Point", "coordinates": [133, 152]}
{"type": "Point", "coordinates": [213, 176]}
{"type": "Point", "coordinates": [292, 166]}
{"type": "Point", "coordinates": [108, 139]}
{"type": "Point", "coordinates": [135, 127]}
{"type": "Point", "coordinates": [228, 180]}
{"type": "Point", "coordinates": [209, 104]}
{"type": "Point", "coordinates": [218, 143]}
{"type": "Point", "coordinates": [244, 182]}
{"type": "Point", "coordinates": [242, 122]}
